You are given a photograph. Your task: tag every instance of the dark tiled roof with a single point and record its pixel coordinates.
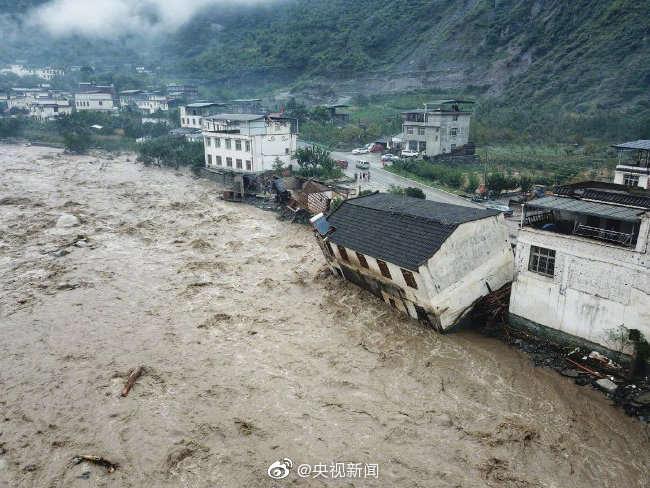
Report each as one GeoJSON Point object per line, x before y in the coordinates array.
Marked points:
{"type": "Point", "coordinates": [640, 144]}
{"type": "Point", "coordinates": [401, 230]}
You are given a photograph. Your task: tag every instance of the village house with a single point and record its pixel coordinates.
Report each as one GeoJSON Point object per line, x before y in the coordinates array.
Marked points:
{"type": "Point", "coordinates": [247, 142]}
{"type": "Point", "coordinates": [151, 103]}
{"type": "Point", "coordinates": [430, 260]}
{"type": "Point", "coordinates": [633, 168]}
{"type": "Point", "coordinates": [49, 109]}
{"type": "Point", "coordinates": [582, 272]}
{"type": "Point", "coordinates": [193, 113]}
{"type": "Point", "coordinates": [441, 127]}
{"type": "Point", "coordinates": [130, 98]}
{"type": "Point", "coordinates": [94, 101]}
{"type": "Point", "coordinates": [182, 91]}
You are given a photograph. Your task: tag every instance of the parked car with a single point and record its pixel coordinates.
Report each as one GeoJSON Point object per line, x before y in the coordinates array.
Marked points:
{"type": "Point", "coordinates": [361, 150]}
{"type": "Point", "coordinates": [410, 154]}
{"type": "Point", "coordinates": [342, 163]}
{"type": "Point", "coordinates": [507, 211]}
{"type": "Point", "coordinates": [387, 158]}
{"type": "Point", "coordinates": [363, 165]}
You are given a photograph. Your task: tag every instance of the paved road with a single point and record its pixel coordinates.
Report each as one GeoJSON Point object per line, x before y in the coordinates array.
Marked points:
{"type": "Point", "coordinates": [382, 180]}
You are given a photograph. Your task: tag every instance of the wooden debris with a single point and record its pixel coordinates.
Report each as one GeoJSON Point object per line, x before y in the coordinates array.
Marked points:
{"type": "Point", "coordinates": [100, 461]}
{"type": "Point", "coordinates": [585, 368]}
{"type": "Point", "coordinates": [133, 376]}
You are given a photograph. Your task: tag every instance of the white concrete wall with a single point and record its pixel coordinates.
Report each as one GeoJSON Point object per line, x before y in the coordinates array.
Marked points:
{"type": "Point", "coordinates": [595, 289]}
{"type": "Point", "coordinates": [475, 254]}
{"type": "Point", "coordinates": [644, 180]}
{"type": "Point", "coordinates": [94, 101]}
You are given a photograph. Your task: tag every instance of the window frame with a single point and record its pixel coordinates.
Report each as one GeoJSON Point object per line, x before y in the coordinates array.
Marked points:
{"type": "Point", "coordinates": [362, 260]}
{"type": "Point", "coordinates": [539, 255]}
{"type": "Point", "coordinates": [409, 278]}
{"type": "Point", "coordinates": [630, 176]}
{"type": "Point", "coordinates": [384, 269]}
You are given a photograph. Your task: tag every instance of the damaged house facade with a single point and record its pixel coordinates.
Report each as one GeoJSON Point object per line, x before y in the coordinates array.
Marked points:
{"type": "Point", "coordinates": [582, 271]}
{"type": "Point", "coordinates": [431, 260]}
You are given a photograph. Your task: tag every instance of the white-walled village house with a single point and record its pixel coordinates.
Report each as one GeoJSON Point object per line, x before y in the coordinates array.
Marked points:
{"type": "Point", "coordinates": [430, 260]}
{"type": "Point", "coordinates": [247, 142]}
{"type": "Point", "coordinates": [633, 167]}
{"type": "Point", "coordinates": [582, 270]}
{"type": "Point", "coordinates": [99, 101]}
{"type": "Point", "coordinates": [151, 103]}
{"type": "Point", "coordinates": [439, 128]}
{"type": "Point", "coordinates": [193, 113]}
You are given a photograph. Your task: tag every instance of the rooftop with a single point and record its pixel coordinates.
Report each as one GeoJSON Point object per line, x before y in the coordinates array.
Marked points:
{"type": "Point", "coordinates": [631, 196]}
{"type": "Point", "coordinates": [205, 104]}
{"type": "Point", "coordinates": [587, 207]}
{"type": "Point", "coordinates": [642, 144]}
{"type": "Point", "coordinates": [402, 230]}
{"type": "Point", "coordinates": [237, 117]}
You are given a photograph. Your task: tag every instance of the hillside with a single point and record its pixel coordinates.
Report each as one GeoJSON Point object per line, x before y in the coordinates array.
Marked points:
{"type": "Point", "coordinates": [583, 55]}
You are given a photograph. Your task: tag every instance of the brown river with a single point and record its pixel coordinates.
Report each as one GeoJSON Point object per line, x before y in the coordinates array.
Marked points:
{"type": "Point", "coordinates": [252, 354]}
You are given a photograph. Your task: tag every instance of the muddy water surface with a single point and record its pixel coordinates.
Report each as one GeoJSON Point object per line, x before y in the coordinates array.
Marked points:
{"type": "Point", "coordinates": [253, 353]}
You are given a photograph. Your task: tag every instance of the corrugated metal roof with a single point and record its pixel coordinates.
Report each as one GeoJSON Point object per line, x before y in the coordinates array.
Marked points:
{"type": "Point", "coordinates": [206, 104]}
{"type": "Point", "coordinates": [588, 208]}
{"type": "Point", "coordinates": [401, 230]}
{"type": "Point", "coordinates": [640, 144]}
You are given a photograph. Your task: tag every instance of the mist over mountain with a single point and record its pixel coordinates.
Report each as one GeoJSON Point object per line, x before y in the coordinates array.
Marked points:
{"type": "Point", "coordinates": [586, 54]}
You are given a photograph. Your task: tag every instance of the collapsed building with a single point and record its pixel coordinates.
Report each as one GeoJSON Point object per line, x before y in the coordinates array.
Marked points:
{"type": "Point", "coordinates": [430, 260]}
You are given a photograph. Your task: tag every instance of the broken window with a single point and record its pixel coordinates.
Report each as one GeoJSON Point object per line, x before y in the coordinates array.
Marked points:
{"type": "Point", "coordinates": [409, 278]}
{"type": "Point", "coordinates": [362, 260]}
{"type": "Point", "coordinates": [344, 254]}
{"type": "Point", "coordinates": [542, 261]}
{"type": "Point", "coordinates": [383, 267]}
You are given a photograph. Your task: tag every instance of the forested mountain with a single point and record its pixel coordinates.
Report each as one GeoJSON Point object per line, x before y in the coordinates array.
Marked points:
{"type": "Point", "coordinates": [587, 54]}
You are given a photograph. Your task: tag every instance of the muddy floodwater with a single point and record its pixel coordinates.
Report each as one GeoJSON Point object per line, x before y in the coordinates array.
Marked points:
{"type": "Point", "coordinates": [252, 354]}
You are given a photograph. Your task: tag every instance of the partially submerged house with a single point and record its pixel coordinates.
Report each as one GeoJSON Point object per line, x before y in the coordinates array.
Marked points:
{"type": "Point", "coordinates": [431, 260]}
{"type": "Point", "coordinates": [316, 197]}
{"type": "Point", "coordinates": [633, 168]}
{"type": "Point", "coordinates": [582, 272]}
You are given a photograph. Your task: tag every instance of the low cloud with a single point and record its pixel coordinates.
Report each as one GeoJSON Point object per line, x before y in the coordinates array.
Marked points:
{"type": "Point", "coordinates": [115, 18]}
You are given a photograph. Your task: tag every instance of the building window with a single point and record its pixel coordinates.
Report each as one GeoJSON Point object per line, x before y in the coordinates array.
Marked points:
{"type": "Point", "coordinates": [249, 166]}
{"type": "Point", "coordinates": [422, 147]}
{"type": "Point", "coordinates": [208, 141]}
{"type": "Point", "coordinates": [362, 260]}
{"type": "Point", "coordinates": [286, 150]}
{"type": "Point", "coordinates": [453, 132]}
{"type": "Point", "coordinates": [630, 179]}
{"type": "Point", "coordinates": [210, 159]}
{"type": "Point", "coordinates": [239, 163]}
{"type": "Point", "coordinates": [409, 278]}
{"type": "Point", "coordinates": [455, 118]}
{"type": "Point", "coordinates": [409, 130]}
{"type": "Point", "coordinates": [218, 159]}
{"type": "Point", "coordinates": [217, 142]}
{"type": "Point", "coordinates": [238, 145]}
{"type": "Point", "coordinates": [228, 143]}
{"type": "Point", "coordinates": [383, 267]}
{"type": "Point", "coordinates": [329, 248]}
{"type": "Point", "coordinates": [542, 261]}
{"type": "Point", "coordinates": [248, 146]}
{"type": "Point", "coordinates": [229, 162]}
{"type": "Point", "coordinates": [344, 254]}
{"type": "Point", "coordinates": [420, 131]}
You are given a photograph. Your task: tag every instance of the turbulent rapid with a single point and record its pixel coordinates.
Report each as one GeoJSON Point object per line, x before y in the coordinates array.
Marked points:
{"type": "Point", "coordinates": [252, 353]}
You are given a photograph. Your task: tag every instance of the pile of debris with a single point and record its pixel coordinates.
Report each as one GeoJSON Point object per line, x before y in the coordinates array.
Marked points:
{"type": "Point", "coordinates": [584, 366]}
{"type": "Point", "coordinates": [623, 381]}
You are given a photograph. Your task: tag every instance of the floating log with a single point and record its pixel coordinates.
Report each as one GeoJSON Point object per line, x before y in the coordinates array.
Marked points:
{"type": "Point", "coordinates": [133, 376]}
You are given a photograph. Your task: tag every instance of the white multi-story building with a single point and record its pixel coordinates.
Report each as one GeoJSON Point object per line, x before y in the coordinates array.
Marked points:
{"type": "Point", "coordinates": [633, 167]}
{"type": "Point", "coordinates": [49, 109]}
{"type": "Point", "coordinates": [193, 113]}
{"type": "Point", "coordinates": [129, 98]}
{"type": "Point", "coordinates": [151, 103]}
{"type": "Point", "coordinates": [430, 260]}
{"type": "Point", "coordinates": [441, 127]}
{"type": "Point", "coordinates": [582, 271]}
{"type": "Point", "coordinates": [99, 101]}
{"type": "Point", "coordinates": [247, 142]}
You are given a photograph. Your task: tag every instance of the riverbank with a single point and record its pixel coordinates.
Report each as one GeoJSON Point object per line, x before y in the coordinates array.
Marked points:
{"type": "Point", "coordinates": [252, 353]}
